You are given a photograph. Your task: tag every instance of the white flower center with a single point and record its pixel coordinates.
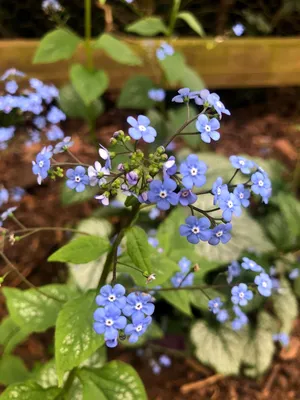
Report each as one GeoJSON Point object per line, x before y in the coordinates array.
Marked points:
{"type": "Point", "coordinates": [251, 265]}
{"type": "Point", "coordinates": [219, 234]}
{"type": "Point", "coordinates": [142, 128]}
{"type": "Point", "coordinates": [219, 191]}
{"type": "Point", "coordinates": [139, 328]}
{"type": "Point", "coordinates": [163, 194]}
{"type": "Point", "coordinates": [241, 295]}
{"type": "Point", "coordinates": [216, 305]}
{"type": "Point", "coordinates": [207, 128]}
{"type": "Point", "coordinates": [260, 183]}
{"type": "Point", "coordinates": [185, 193]}
{"type": "Point", "coordinates": [77, 178]}
{"type": "Point", "coordinates": [138, 306]}
{"type": "Point", "coordinates": [195, 229]}
{"type": "Point", "coordinates": [193, 171]}
{"type": "Point", "coordinates": [109, 322]}
{"type": "Point", "coordinates": [241, 195]}
{"type": "Point", "coordinates": [264, 284]}
{"type": "Point", "coordinates": [41, 164]}
{"type": "Point", "coordinates": [112, 298]}
{"type": "Point", "coordinates": [242, 162]}
{"type": "Point", "coordinates": [229, 204]}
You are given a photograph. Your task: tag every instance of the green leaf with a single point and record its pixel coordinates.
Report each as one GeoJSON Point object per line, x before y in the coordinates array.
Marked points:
{"type": "Point", "coordinates": [285, 306]}
{"type": "Point", "coordinates": [81, 250]}
{"type": "Point", "coordinates": [12, 370]}
{"type": "Point", "coordinates": [290, 209]}
{"type": "Point", "coordinates": [279, 232]}
{"type": "Point", "coordinates": [75, 338]}
{"type": "Point", "coordinates": [260, 348]}
{"type": "Point", "coordinates": [118, 50]}
{"type": "Point", "coordinates": [180, 299]}
{"type": "Point", "coordinates": [134, 93]}
{"type": "Point", "coordinates": [116, 380]}
{"type": "Point", "coordinates": [173, 67]}
{"type": "Point", "coordinates": [29, 391]}
{"type": "Point", "coordinates": [69, 196]}
{"type": "Point", "coordinates": [33, 310]}
{"type": "Point", "coordinates": [192, 22]}
{"type": "Point", "coordinates": [149, 26]}
{"type": "Point", "coordinates": [88, 84]}
{"type": "Point", "coordinates": [12, 334]}
{"type": "Point", "coordinates": [139, 249]}
{"type": "Point", "coordinates": [73, 106]}
{"type": "Point", "coordinates": [56, 45]}
{"type": "Point", "coordinates": [192, 80]}
{"type": "Point", "coordinates": [221, 348]}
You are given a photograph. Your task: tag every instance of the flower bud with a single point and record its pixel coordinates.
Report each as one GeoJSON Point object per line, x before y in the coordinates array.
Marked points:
{"type": "Point", "coordinates": [113, 141]}
{"type": "Point", "coordinates": [196, 268]}
{"type": "Point", "coordinates": [160, 150]}
{"type": "Point", "coordinates": [132, 177]}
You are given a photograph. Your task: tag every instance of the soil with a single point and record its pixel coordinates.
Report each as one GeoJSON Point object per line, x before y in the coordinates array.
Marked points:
{"type": "Point", "coordinates": [254, 129]}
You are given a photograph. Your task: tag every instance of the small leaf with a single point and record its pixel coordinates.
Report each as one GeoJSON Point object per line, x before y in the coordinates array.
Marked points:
{"type": "Point", "coordinates": [33, 310]}
{"type": "Point", "coordinates": [180, 299]}
{"type": "Point", "coordinates": [192, 22]}
{"type": "Point", "coordinates": [81, 250]}
{"type": "Point", "coordinates": [12, 334]}
{"type": "Point", "coordinates": [134, 93]}
{"type": "Point", "coordinates": [192, 80]}
{"type": "Point", "coordinates": [75, 339]}
{"type": "Point", "coordinates": [117, 50]}
{"type": "Point", "coordinates": [220, 348]}
{"type": "Point", "coordinates": [88, 84]}
{"type": "Point", "coordinates": [12, 370]}
{"type": "Point", "coordinates": [73, 106]}
{"type": "Point", "coordinates": [29, 391]}
{"type": "Point", "coordinates": [116, 380]}
{"type": "Point", "coordinates": [285, 306]}
{"type": "Point", "coordinates": [149, 26]}
{"type": "Point", "coordinates": [56, 45]}
{"type": "Point", "coordinates": [173, 67]}
{"type": "Point", "coordinates": [139, 249]}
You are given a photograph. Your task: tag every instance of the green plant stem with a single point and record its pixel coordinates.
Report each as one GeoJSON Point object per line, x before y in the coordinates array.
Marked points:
{"type": "Point", "coordinates": [31, 231]}
{"type": "Point", "coordinates": [130, 266]}
{"type": "Point", "coordinates": [233, 176]}
{"type": "Point", "coordinates": [173, 17]}
{"type": "Point", "coordinates": [88, 33]}
{"type": "Point", "coordinates": [112, 258]}
{"type": "Point", "coordinates": [17, 221]}
{"type": "Point", "coordinates": [183, 126]}
{"type": "Point", "coordinates": [68, 384]}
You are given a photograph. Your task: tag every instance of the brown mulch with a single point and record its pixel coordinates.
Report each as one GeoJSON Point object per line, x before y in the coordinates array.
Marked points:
{"type": "Point", "coordinates": [254, 130]}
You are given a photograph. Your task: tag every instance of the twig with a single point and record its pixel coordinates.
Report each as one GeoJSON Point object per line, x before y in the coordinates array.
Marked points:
{"type": "Point", "coordinates": [270, 380]}
{"type": "Point", "coordinates": [189, 387]}
{"type": "Point", "coordinates": [17, 221]}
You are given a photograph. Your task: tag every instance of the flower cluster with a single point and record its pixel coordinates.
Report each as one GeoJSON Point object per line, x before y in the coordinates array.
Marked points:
{"type": "Point", "coordinates": [35, 106]}
{"type": "Point", "coordinates": [114, 309]}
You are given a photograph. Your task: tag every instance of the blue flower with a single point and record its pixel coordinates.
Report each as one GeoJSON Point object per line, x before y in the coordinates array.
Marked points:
{"type": "Point", "coordinates": [11, 72]}
{"type": "Point", "coordinates": [97, 174]}
{"type": "Point", "coordinates": [214, 305]}
{"type": "Point", "coordinates": [238, 29]}
{"type": "Point", "coordinates": [214, 100]}
{"type": "Point", "coordinates": [108, 321]}
{"type": "Point", "coordinates": [222, 316]}
{"type": "Point", "coordinates": [132, 178]}
{"type": "Point", "coordinates": [170, 167]}
{"type": "Point", "coordinates": [218, 188]}
{"type": "Point", "coordinates": [154, 213]}
{"type": "Point", "coordinates": [40, 122]}
{"type": "Point", "coordinates": [250, 264]}
{"type": "Point", "coordinates": [261, 184]}
{"type": "Point", "coordinates": [17, 193]}
{"type": "Point", "coordinates": [138, 304]}
{"type": "Point", "coordinates": [282, 338]}
{"type": "Point", "coordinates": [54, 133]}
{"type": "Point", "coordinates": [6, 214]}
{"type": "Point", "coordinates": [208, 128]}
{"type": "Point", "coordinates": [234, 270]}
{"type": "Point", "coordinates": [138, 327]}
{"type": "Point", "coordinates": [240, 320]}
{"type": "Point", "coordinates": [184, 95]}
{"type": "Point", "coordinates": [164, 51]}
{"type": "Point", "coordinates": [112, 295]}
{"type": "Point", "coordinates": [4, 196]}
{"type": "Point", "coordinates": [140, 129]}
{"type": "Point", "coordinates": [162, 193]}
{"type": "Point", "coordinates": [11, 87]}
{"type": "Point", "coordinates": [103, 199]}
{"type": "Point", "coordinates": [77, 178]}
{"type": "Point", "coordinates": [7, 133]}
{"type": "Point", "coordinates": [157, 95]}
{"type": "Point", "coordinates": [184, 264]}
{"type": "Point", "coordinates": [221, 233]}
{"type": "Point", "coordinates": [230, 205]}
{"type": "Point", "coordinates": [264, 284]}
{"type": "Point", "coordinates": [63, 146]}
{"type": "Point", "coordinates": [241, 295]}
{"type": "Point", "coordinates": [153, 242]}
{"type": "Point", "coordinates": [186, 197]}
{"type": "Point", "coordinates": [180, 279]}
{"type": "Point", "coordinates": [51, 5]}
{"type": "Point", "coordinates": [193, 170]}
{"type": "Point", "coordinates": [294, 273]}
{"type": "Point", "coordinates": [55, 115]}
{"type": "Point", "coordinates": [164, 360]}
{"type": "Point", "coordinates": [41, 165]}
{"type": "Point", "coordinates": [241, 163]}
{"type": "Point", "coordinates": [156, 369]}
{"type": "Point", "coordinates": [242, 194]}
{"type": "Point", "coordinates": [196, 229]}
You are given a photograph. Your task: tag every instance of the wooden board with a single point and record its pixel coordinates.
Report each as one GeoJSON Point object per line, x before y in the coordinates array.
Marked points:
{"type": "Point", "coordinates": [232, 63]}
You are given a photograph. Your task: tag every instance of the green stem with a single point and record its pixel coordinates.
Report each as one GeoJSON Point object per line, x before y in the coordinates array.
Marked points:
{"type": "Point", "coordinates": [88, 33]}
{"type": "Point", "coordinates": [68, 384]}
{"type": "Point", "coordinates": [173, 17]}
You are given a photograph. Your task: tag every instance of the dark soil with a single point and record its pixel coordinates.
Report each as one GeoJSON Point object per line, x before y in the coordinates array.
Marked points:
{"type": "Point", "coordinates": [255, 130]}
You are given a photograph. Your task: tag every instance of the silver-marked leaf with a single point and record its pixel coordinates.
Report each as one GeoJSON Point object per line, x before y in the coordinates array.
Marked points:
{"type": "Point", "coordinates": [115, 381]}
{"type": "Point", "coordinates": [12, 370]}
{"type": "Point", "coordinates": [33, 310]}
{"type": "Point", "coordinates": [29, 391]}
{"type": "Point", "coordinates": [149, 26]}
{"type": "Point", "coordinates": [285, 306]}
{"type": "Point", "coordinates": [81, 250]}
{"type": "Point", "coordinates": [75, 338]}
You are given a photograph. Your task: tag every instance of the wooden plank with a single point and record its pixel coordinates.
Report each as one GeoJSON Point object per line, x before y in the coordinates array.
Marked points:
{"type": "Point", "coordinates": [232, 63]}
